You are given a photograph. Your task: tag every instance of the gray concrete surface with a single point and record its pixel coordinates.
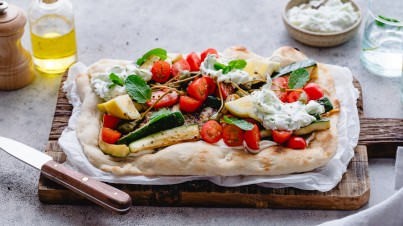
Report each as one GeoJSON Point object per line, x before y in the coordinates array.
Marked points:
{"type": "Point", "coordinates": [124, 30]}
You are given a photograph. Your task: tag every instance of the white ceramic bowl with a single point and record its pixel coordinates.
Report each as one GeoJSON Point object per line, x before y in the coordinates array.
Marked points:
{"type": "Point", "coordinates": [319, 39]}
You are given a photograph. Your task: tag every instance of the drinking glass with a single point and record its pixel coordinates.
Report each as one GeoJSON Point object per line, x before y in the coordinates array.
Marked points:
{"type": "Point", "coordinates": [382, 44]}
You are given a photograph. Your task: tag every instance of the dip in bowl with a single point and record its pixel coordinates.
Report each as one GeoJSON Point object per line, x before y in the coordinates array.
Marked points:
{"type": "Point", "coordinates": [331, 24]}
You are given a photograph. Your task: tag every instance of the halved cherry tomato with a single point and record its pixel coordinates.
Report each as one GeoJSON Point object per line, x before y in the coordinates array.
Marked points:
{"type": "Point", "coordinates": [251, 120]}
{"type": "Point", "coordinates": [252, 137]}
{"type": "Point", "coordinates": [232, 135]}
{"type": "Point", "coordinates": [194, 61]}
{"type": "Point", "coordinates": [204, 54]}
{"type": "Point", "coordinates": [110, 136]}
{"type": "Point", "coordinates": [296, 142]}
{"type": "Point", "coordinates": [179, 66]}
{"type": "Point", "coordinates": [189, 104]}
{"type": "Point", "coordinates": [211, 85]}
{"type": "Point", "coordinates": [161, 71]}
{"type": "Point", "coordinates": [296, 95]}
{"type": "Point", "coordinates": [226, 90]}
{"type": "Point", "coordinates": [222, 123]}
{"type": "Point", "coordinates": [167, 101]}
{"type": "Point", "coordinates": [110, 121]}
{"type": "Point", "coordinates": [278, 86]}
{"type": "Point", "coordinates": [280, 136]}
{"type": "Point", "coordinates": [198, 89]}
{"type": "Point", "coordinates": [211, 131]}
{"type": "Point", "coordinates": [313, 91]}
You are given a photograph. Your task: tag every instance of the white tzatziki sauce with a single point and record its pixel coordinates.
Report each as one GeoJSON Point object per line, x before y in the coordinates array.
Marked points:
{"type": "Point", "coordinates": [276, 115]}
{"type": "Point", "coordinates": [333, 16]}
{"type": "Point", "coordinates": [236, 76]}
{"type": "Point", "coordinates": [104, 87]}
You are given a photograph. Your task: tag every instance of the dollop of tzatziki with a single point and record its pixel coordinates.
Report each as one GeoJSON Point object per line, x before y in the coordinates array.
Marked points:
{"type": "Point", "coordinates": [333, 16]}
{"type": "Point", "coordinates": [236, 76]}
{"type": "Point", "coordinates": [104, 87]}
{"type": "Point", "coordinates": [276, 115]}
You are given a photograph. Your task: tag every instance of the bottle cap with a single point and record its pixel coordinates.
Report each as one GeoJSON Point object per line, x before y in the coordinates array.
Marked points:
{"type": "Point", "coordinates": [12, 19]}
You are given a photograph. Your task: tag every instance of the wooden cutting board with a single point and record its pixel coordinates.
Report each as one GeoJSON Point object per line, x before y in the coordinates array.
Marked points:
{"type": "Point", "coordinates": [351, 193]}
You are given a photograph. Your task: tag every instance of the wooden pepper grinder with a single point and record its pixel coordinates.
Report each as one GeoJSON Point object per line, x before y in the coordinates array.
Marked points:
{"type": "Point", "coordinates": [16, 68]}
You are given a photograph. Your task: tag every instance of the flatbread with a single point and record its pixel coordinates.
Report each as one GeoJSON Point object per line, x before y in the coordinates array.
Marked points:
{"type": "Point", "coordinates": [200, 158]}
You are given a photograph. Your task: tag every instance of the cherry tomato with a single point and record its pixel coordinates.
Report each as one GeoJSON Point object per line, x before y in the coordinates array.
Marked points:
{"type": "Point", "coordinates": [204, 54]}
{"type": "Point", "coordinates": [194, 61]}
{"type": "Point", "coordinates": [278, 86]}
{"type": "Point", "coordinates": [232, 135]}
{"type": "Point", "coordinates": [189, 104]}
{"type": "Point", "coordinates": [251, 120]}
{"type": "Point", "coordinates": [222, 123]}
{"type": "Point", "coordinates": [226, 90]}
{"type": "Point", "coordinates": [167, 101]}
{"type": "Point", "coordinates": [211, 85]}
{"type": "Point", "coordinates": [110, 121]}
{"type": "Point", "coordinates": [296, 95]}
{"type": "Point", "coordinates": [179, 66]}
{"type": "Point", "coordinates": [161, 71]}
{"type": "Point", "coordinates": [280, 136]}
{"type": "Point", "coordinates": [280, 82]}
{"type": "Point", "coordinates": [198, 89]}
{"type": "Point", "coordinates": [211, 131]}
{"type": "Point", "coordinates": [110, 136]}
{"type": "Point", "coordinates": [296, 142]}
{"type": "Point", "coordinates": [252, 137]}
{"type": "Point", "coordinates": [313, 91]}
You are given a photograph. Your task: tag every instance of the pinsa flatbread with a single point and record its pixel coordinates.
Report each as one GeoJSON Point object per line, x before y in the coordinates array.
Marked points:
{"type": "Point", "coordinates": [198, 157]}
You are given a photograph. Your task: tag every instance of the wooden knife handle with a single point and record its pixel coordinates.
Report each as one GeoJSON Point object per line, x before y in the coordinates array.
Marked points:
{"type": "Point", "coordinates": [100, 193]}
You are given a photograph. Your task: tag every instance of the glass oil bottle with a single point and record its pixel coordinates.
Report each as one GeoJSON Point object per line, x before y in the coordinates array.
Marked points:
{"type": "Point", "coordinates": [52, 35]}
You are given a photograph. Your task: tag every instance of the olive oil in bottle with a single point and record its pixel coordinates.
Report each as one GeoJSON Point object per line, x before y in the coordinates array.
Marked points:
{"type": "Point", "coordinates": [52, 35]}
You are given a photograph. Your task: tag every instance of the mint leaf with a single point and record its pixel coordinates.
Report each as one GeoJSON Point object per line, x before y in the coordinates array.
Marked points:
{"type": "Point", "coordinates": [381, 24]}
{"type": "Point", "coordinates": [298, 78]}
{"type": "Point", "coordinates": [159, 114]}
{"type": "Point", "coordinates": [161, 53]}
{"type": "Point", "coordinates": [244, 125]}
{"type": "Point", "coordinates": [237, 64]}
{"type": "Point", "coordinates": [137, 89]}
{"type": "Point", "coordinates": [234, 64]}
{"type": "Point", "coordinates": [219, 66]}
{"type": "Point", "coordinates": [226, 70]}
{"type": "Point", "coordinates": [116, 80]}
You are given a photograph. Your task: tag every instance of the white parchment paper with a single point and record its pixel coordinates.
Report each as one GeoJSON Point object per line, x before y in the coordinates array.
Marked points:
{"type": "Point", "coordinates": [322, 179]}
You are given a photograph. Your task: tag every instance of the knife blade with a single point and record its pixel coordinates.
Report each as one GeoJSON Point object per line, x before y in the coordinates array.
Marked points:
{"type": "Point", "coordinates": [100, 193]}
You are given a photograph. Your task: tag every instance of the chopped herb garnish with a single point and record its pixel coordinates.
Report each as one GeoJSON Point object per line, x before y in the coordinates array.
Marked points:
{"type": "Point", "coordinates": [138, 89]}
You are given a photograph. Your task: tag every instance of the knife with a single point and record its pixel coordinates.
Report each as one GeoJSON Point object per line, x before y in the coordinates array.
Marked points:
{"type": "Point", "coordinates": [100, 193]}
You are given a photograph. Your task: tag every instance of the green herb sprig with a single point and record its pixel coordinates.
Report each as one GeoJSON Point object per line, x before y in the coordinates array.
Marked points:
{"type": "Point", "coordinates": [298, 78]}
{"type": "Point", "coordinates": [234, 64]}
{"type": "Point", "coordinates": [244, 125]}
{"type": "Point", "coordinates": [389, 19]}
{"type": "Point", "coordinates": [161, 53]}
{"type": "Point", "coordinates": [116, 80]}
{"type": "Point", "coordinates": [138, 89]}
